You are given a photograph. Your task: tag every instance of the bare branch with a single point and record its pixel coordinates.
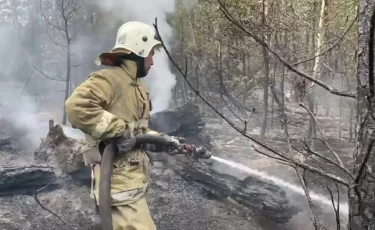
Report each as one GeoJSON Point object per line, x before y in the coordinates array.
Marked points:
{"type": "Point", "coordinates": [71, 13]}
{"type": "Point", "coordinates": [295, 162]}
{"type": "Point", "coordinates": [327, 66]}
{"type": "Point", "coordinates": [328, 160]}
{"type": "Point", "coordinates": [239, 118]}
{"type": "Point", "coordinates": [46, 19]}
{"type": "Point", "coordinates": [337, 210]}
{"type": "Point", "coordinates": [270, 156]}
{"type": "Point", "coordinates": [321, 134]}
{"type": "Point", "coordinates": [248, 119]}
{"type": "Point", "coordinates": [32, 72]}
{"type": "Point", "coordinates": [52, 40]}
{"type": "Point", "coordinates": [45, 208]}
{"type": "Point", "coordinates": [333, 46]}
{"type": "Point", "coordinates": [78, 65]}
{"type": "Point", "coordinates": [282, 60]}
{"type": "Point", "coordinates": [302, 179]}
{"type": "Point", "coordinates": [41, 72]}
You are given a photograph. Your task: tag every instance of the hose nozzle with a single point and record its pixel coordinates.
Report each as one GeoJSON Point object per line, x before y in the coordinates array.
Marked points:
{"type": "Point", "coordinates": [197, 152]}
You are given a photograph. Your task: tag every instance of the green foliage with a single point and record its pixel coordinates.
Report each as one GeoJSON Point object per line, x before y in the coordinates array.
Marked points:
{"type": "Point", "coordinates": [291, 27]}
{"type": "Point", "coordinates": [208, 39]}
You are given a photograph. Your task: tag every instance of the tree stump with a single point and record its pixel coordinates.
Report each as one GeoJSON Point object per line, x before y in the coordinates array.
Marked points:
{"type": "Point", "coordinates": [60, 151]}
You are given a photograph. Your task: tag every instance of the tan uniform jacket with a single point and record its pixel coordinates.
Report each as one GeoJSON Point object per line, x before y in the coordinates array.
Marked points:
{"type": "Point", "coordinates": [111, 102]}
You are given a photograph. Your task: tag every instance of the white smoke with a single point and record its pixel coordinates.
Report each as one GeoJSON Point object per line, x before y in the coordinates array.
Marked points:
{"type": "Point", "coordinates": [160, 80]}
{"type": "Point", "coordinates": [16, 107]}
{"type": "Point", "coordinates": [19, 103]}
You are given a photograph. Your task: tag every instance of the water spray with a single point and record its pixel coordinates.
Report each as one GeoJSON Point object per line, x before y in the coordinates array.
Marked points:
{"type": "Point", "coordinates": [314, 196]}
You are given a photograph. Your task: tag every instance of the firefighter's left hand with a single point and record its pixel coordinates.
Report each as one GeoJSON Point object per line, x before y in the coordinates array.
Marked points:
{"type": "Point", "coordinates": [172, 142]}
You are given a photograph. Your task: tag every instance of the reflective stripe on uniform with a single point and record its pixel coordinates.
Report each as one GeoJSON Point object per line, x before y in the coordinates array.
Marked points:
{"type": "Point", "coordinates": [127, 195]}
{"type": "Point", "coordinates": [92, 193]}
{"type": "Point", "coordinates": [103, 124]}
{"type": "Point", "coordinates": [106, 119]}
{"type": "Point", "coordinates": [138, 188]}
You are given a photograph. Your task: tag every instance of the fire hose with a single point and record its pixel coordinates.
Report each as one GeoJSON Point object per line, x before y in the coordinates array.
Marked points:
{"type": "Point", "coordinates": [108, 155]}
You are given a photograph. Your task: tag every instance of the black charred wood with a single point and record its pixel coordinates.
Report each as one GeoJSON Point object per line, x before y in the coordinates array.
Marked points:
{"type": "Point", "coordinates": [264, 199]}
{"type": "Point", "coordinates": [24, 179]}
{"type": "Point", "coordinates": [185, 121]}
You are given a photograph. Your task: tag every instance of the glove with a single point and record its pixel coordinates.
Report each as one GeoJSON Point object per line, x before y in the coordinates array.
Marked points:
{"type": "Point", "coordinates": [125, 144]}
{"type": "Point", "coordinates": [172, 144]}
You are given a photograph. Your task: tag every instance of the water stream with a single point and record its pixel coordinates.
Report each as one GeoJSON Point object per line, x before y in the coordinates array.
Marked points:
{"type": "Point", "coordinates": [344, 208]}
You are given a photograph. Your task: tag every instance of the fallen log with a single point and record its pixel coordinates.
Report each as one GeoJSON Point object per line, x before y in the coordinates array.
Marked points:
{"type": "Point", "coordinates": [262, 198]}
{"type": "Point", "coordinates": [24, 179]}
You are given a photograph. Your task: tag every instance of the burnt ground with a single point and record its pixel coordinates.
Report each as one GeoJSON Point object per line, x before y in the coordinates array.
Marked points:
{"type": "Point", "coordinates": [232, 146]}
{"type": "Point", "coordinates": [183, 194]}
{"type": "Point", "coordinates": [181, 199]}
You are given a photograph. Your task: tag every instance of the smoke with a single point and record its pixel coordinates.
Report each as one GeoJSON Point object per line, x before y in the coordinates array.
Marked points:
{"type": "Point", "coordinates": [16, 107]}
{"type": "Point", "coordinates": [160, 80]}
{"type": "Point", "coordinates": [28, 102]}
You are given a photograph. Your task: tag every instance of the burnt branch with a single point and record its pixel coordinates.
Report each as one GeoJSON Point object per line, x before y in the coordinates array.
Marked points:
{"type": "Point", "coordinates": [321, 134]}
{"type": "Point", "coordinates": [336, 209]}
{"type": "Point", "coordinates": [235, 21]}
{"type": "Point", "coordinates": [272, 157]}
{"type": "Point", "coordinates": [301, 175]}
{"type": "Point", "coordinates": [47, 20]}
{"type": "Point", "coordinates": [32, 72]}
{"type": "Point", "coordinates": [78, 65]}
{"type": "Point", "coordinates": [302, 179]}
{"type": "Point", "coordinates": [45, 75]}
{"type": "Point", "coordinates": [53, 40]}
{"type": "Point", "coordinates": [294, 161]}
{"type": "Point", "coordinates": [248, 119]}
{"type": "Point", "coordinates": [47, 209]}
{"type": "Point", "coordinates": [309, 150]}
{"type": "Point", "coordinates": [231, 110]}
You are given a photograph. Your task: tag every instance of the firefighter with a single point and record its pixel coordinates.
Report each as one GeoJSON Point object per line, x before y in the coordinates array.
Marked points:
{"type": "Point", "coordinates": [112, 103]}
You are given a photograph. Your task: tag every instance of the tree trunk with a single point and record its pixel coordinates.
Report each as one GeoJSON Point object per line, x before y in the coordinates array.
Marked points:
{"type": "Point", "coordinates": [245, 72]}
{"type": "Point", "coordinates": [341, 110]}
{"type": "Point", "coordinates": [221, 81]}
{"type": "Point", "coordinates": [68, 67]}
{"type": "Point", "coordinates": [282, 91]}
{"type": "Point", "coordinates": [316, 69]}
{"type": "Point", "coordinates": [266, 76]}
{"type": "Point", "coordinates": [351, 116]}
{"type": "Point", "coordinates": [197, 81]}
{"type": "Point", "coordinates": [362, 196]}
{"type": "Point", "coordinates": [273, 91]}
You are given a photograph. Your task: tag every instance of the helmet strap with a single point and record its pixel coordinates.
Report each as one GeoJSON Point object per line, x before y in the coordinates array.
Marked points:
{"type": "Point", "coordinates": [141, 72]}
{"type": "Point", "coordinates": [140, 62]}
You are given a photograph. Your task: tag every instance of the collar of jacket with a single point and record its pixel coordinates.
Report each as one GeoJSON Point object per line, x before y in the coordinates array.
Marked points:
{"type": "Point", "coordinates": [130, 67]}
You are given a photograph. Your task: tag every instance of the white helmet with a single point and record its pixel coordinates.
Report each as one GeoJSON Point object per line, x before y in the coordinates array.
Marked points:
{"type": "Point", "coordinates": [137, 37]}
